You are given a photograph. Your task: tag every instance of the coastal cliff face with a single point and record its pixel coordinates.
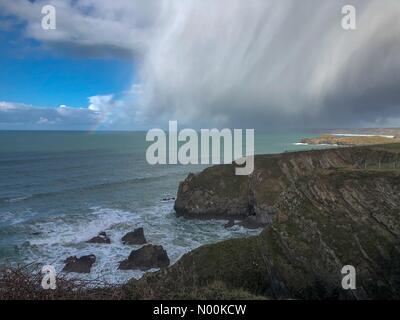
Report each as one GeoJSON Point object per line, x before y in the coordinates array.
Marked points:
{"type": "Point", "coordinates": [322, 210]}
{"type": "Point", "coordinates": [218, 193]}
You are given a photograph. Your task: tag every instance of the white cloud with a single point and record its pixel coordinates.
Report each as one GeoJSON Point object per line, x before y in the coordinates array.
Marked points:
{"type": "Point", "coordinates": [43, 120]}
{"type": "Point", "coordinates": [7, 106]}
{"type": "Point", "coordinates": [99, 26]}
{"type": "Point", "coordinates": [23, 116]}
{"type": "Point", "coordinates": [112, 111]}
{"type": "Point", "coordinates": [103, 112]}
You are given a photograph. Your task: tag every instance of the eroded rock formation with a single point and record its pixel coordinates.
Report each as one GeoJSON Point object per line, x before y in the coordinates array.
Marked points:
{"type": "Point", "coordinates": [79, 265]}
{"type": "Point", "coordinates": [134, 237]}
{"type": "Point", "coordinates": [148, 257]}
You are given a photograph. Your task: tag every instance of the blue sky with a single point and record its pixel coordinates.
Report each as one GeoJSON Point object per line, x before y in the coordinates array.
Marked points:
{"type": "Point", "coordinates": [36, 78]}
{"type": "Point", "coordinates": [52, 81]}
{"type": "Point", "coordinates": [33, 74]}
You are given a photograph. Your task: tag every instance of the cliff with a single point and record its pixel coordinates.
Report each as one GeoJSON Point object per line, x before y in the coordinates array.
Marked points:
{"type": "Point", "coordinates": [218, 193]}
{"type": "Point", "coordinates": [321, 210]}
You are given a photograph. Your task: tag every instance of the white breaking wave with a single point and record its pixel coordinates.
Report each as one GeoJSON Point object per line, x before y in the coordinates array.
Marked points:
{"type": "Point", "coordinates": [16, 199]}
{"type": "Point", "coordinates": [65, 236]}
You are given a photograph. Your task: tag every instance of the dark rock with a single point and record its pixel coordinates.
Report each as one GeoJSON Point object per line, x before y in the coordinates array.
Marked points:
{"type": "Point", "coordinates": [100, 238]}
{"type": "Point", "coordinates": [249, 223]}
{"type": "Point", "coordinates": [135, 237]}
{"type": "Point", "coordinates": [168, 199]}
{"type": "Point", "coordinates": [79, 265]}
{"type": "Point", "coordinates": [260, 218]}
{"type": "Point", "coordinates": [214, 193]}
{"type": "Point", "coordinates": [148, 257]}
{"type": "Point", "coordinates": [229, 224]}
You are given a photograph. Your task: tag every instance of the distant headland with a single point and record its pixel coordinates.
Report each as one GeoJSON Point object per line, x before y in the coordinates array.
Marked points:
{"type": "Point", "coordinates": [355, 137]}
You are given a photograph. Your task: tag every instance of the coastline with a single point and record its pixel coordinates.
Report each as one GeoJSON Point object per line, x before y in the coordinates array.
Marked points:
{"type": "Point", "coordinates": [321, 223]}
{"type": "Point", "coordinates": [349, 139]}
{"type": "Point", "coordinates": [235, 267]}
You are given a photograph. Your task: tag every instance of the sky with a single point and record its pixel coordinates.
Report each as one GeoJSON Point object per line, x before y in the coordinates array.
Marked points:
{"type": "Point", "coordinates": [263, 64]}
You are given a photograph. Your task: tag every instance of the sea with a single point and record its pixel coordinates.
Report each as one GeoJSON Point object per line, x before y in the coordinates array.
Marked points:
{"type": "Point", "coordinates": [58, 189]}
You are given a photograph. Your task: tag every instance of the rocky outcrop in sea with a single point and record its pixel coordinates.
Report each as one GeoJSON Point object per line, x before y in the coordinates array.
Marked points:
{"type": "Point", "coordinates": [147, 257]}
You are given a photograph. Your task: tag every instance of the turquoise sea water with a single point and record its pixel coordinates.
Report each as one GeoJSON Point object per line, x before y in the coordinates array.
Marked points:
{"type": "Point", "coordinates": [58, 189]}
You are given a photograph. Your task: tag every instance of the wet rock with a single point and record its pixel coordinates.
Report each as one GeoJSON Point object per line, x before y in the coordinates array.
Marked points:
{"type": "Point", "coordinates": [79, 265]}
{"type": "Point", "coordinates": [100, 238]}
{"type": "Point", "coordinates": [135, 237]}
{"type": "Point", "coordinates": [260, 218]}
{"type": "Point", "coordinates": [229, 224]}
{"type": "Point", "coordinates": [250, 223]}
{"type": "Point", "coordinates": [168, 199]}
{"type": "Point", "coordinates": [148, 257]}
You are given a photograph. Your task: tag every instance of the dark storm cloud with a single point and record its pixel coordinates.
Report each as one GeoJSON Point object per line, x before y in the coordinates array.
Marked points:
{"type": "Point", "coordinates": [257, 63]}
{"type": "Point", "coordinates": [90, 28]}
{"type": "Point", "coordinates": [270, 64]}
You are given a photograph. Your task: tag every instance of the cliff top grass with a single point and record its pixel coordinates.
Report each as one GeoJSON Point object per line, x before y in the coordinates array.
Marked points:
{"type": "Point", "coordinates": [391, 147]}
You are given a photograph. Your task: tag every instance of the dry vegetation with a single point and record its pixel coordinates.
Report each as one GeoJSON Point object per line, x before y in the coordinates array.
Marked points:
{"type": "Point", "coordinates": [24, 283]}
